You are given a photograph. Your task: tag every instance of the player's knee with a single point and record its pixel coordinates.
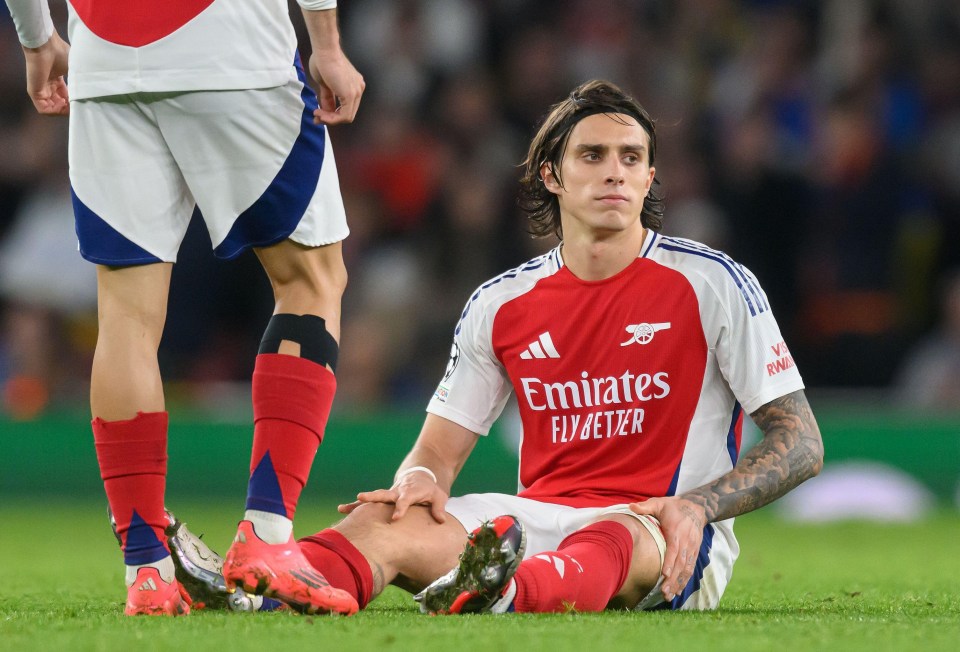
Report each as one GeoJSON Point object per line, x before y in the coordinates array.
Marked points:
{"type": "Point", "coordinates": [368, 521]}
{"type": "Point", "coordinates": [335, 275]}
{"type": "Point", "coordinates": [378, 518]}
{"type": "Point", "coordinates": [309, 331]}
{"type": "Point", "coordinates": [142, 319]}
{"type": "Point", "coordinates": [331, 278]}
{"type": "Point", "coordinates": [371, 514]}
{"type": "Point", "coordinates": [646, 564]}
{"type": "Point", "coordinates": [319, 271]}
{"type": "Point", "coordinates": [326, 275]}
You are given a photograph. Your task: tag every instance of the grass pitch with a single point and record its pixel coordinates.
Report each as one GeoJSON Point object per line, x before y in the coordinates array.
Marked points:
{"type": "Point", "coordinates": [850, 586]}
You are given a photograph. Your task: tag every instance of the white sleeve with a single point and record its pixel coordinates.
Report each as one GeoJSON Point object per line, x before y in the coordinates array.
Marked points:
{"type": "Point", "coordinates": [317, 5]}
{"type": "Point", "coordinates": [750, 350]}
{"type": "Point", "coordinates": [32, 20]}
{"type": "Point", "coordinates": [474, 388]}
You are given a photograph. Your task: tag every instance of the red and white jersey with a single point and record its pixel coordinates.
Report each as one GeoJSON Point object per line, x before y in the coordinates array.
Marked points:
{"type": "Point", "coordinates": [134, 46]}
{"type": "Point", "coordinates": [630, 387]}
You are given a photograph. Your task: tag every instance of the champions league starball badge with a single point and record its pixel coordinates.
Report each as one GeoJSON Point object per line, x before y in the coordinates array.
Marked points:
{"type": "Point", "coordinates": [452, 363]}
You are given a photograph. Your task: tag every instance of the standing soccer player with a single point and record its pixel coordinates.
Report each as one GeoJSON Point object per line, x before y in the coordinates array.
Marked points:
{"type": "Point", "coordinates": [634, 357]}
{"type": "Point", "coordinates": [204, 103]}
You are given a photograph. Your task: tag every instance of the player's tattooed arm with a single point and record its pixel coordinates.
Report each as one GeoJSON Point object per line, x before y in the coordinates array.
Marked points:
{"type": "Point", "coordinates": [790, 452]}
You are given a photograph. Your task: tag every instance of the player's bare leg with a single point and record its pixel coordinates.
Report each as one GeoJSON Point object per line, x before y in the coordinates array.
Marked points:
{"type": "Point", "coordinates": [132, 309]}
{"type": "Point", "coordinates": [368, 550]}
{"type": "Point", "coordinates": [130, 429]}
{"type": "Point", "coordinates": [293, 389]}
{"type": "Point", "coordinates": [306, 281]}
{"type": "Point", "coordinates": [645, 564]}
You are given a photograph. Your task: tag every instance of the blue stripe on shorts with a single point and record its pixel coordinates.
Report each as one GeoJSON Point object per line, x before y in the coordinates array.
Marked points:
{"type": "Point", "coordinates": [102, 244]}
{"type": "Point", "coordinates": [278, 211]}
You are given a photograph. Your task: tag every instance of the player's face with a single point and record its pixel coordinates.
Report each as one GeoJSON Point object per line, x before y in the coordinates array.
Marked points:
{"type": "Point", "coordinates": [606, 176]}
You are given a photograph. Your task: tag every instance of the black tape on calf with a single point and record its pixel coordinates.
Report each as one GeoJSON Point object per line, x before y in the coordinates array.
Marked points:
{"type": "Point", "coordinates": [309, 331]}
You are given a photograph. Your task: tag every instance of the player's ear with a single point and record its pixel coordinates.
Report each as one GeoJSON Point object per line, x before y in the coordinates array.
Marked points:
{"type": "Point", "coordinates": [549, 179]}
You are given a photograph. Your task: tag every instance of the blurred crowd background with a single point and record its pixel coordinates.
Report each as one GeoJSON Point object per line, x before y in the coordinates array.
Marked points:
{"type": "Point", "coordinates": [816, 142]}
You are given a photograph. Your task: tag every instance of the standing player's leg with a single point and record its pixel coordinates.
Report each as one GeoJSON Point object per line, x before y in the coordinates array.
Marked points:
{"type": "Point", "coordinates": [293, 389]}
{"type": "Point", "coordinates": [132, 309]}
{"type": "Point", "coordinates": [130, 429]}
{"type": "Point", "coordinates": [264, 177]}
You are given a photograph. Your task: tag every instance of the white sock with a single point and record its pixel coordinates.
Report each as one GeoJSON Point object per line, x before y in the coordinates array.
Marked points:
{"type": "Point", "coordinates": [164, 567]}
{"type": "Point", "coordinates": [504, 601]}
{"type": "Point", "coordinates": [270, 527]}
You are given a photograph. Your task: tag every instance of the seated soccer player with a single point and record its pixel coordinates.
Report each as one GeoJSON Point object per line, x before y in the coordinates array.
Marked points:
{"type": "Point", "coordinates": [633, 357]}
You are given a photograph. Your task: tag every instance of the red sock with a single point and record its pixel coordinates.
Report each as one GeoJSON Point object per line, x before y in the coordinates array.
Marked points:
{"type": "Point", "coordinates": [291, 402]}
{"type": "Point", "coordinates": [133, 464]}
{"type": "Point", "coordinates": [341, 563]}
{"type": "Point", "coordinates": [585, 572]}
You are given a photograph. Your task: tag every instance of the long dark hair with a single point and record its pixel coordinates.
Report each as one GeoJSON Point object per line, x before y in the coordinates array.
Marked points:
{"type": "Point", "coordinates": [548, 146]}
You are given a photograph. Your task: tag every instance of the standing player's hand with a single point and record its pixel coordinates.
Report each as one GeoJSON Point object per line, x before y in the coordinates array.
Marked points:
{"type": "Point", "coordinates": [46, 66]}
{"type": "Point", "coordinates": [682, 522]}
{"type": "Point", "coordinates": [410, 489]}
{"type": "Point", "coordinates": [340, 87]}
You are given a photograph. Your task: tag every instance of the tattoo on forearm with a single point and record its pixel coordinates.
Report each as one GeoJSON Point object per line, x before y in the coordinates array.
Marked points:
{"type": "Point", "coordinates": [378, 579]}
{"type": "Point", "coordinates": [693, 516]}
{"type": "Point", "coordinates": [791, 451]}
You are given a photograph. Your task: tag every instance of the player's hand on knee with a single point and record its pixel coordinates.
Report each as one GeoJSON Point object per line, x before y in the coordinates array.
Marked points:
{"type": "Point", "coordinates": [420, 489]}
{"type": "Point", "coordinates": [682, 522]}
{"type": "Point", "coordinates": [389, 496]}
{"type": "Point", "coordinates": [410, 489]}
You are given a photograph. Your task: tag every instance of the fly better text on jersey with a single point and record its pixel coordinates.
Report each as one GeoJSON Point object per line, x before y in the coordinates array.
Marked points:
{"type": "Point", "coordinates": [599, 424]}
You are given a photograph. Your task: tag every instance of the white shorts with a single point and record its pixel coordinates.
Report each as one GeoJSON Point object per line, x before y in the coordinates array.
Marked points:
{"type": "Point", "coordinates": [253, 162]}
{"type": "Point", "coordinates": [547, 524]}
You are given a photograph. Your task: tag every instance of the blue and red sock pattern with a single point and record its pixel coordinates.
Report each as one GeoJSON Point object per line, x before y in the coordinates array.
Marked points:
{"type": "Point", "coordinates": [132, 455]}
{"type": "Point", "coordinates": [291, 402]}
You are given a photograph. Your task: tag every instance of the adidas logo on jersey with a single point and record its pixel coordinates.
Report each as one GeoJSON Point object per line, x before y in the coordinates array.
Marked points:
{"type": "Point", "coordinates": [542, 347]}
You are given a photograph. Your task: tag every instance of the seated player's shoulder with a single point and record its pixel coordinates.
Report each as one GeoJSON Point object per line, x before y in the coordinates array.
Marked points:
{"type": "Point", "coordinates": [713, 269]}
{"type": "Point", "coordinates": [512, 283]}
